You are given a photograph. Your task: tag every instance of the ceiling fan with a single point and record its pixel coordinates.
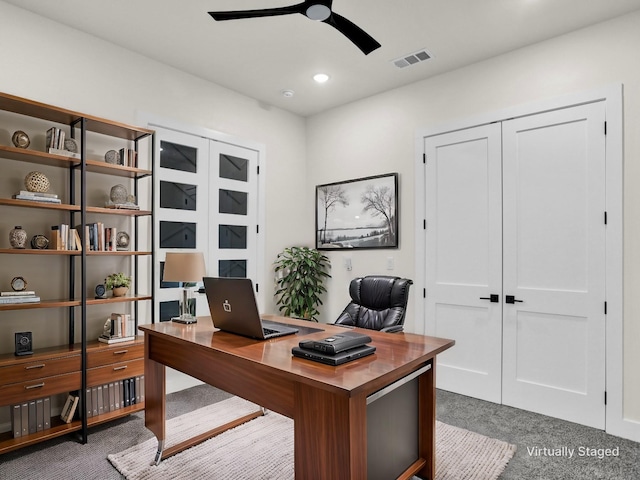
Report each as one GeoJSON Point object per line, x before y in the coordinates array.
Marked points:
{"type": "Point", "coordinates": [319, 10]}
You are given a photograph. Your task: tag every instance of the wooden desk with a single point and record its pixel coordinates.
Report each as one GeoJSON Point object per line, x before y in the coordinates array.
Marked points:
{"type": "Point", "coordinates": [328, 404]}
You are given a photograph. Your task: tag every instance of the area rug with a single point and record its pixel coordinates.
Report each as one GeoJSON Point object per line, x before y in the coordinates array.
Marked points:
{"type": "Point", "coordinates": [263, 449]}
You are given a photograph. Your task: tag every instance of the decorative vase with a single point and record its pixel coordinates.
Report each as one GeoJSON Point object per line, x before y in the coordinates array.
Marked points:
{"type": "Point", "coordinates": [36, 182]}
{"type": "Point", "coordinates": [120, 291]}
{"type": "Point", "coordinates": [18, 237]}
{"type": "Point", "coordinates": [118, 194]}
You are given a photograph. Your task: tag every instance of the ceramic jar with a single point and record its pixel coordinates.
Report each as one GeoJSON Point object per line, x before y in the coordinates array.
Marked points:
{"type": "Point", "coordinates": [18, 237]}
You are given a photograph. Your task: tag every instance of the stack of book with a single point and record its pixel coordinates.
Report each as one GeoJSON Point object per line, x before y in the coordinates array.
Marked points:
{"type": "Point", "coordinates": [37, 197]}
{"type": "Point", "coordinates": [30, 417]}
{"type": "Point", "coordinates": [55, 143]}
{"type": "Point", "coordinates": [114, 396]}
{"type": "Point", "coordinates": [119, 327]}
{"type": "Point", "coordinates": [64, 238]}
{"type": "Point", "coordinates": [19, 297]}
{"type": "Point", "coordinates": [99, 238]}
{"type": "Point", "coordinates": [128, 157]}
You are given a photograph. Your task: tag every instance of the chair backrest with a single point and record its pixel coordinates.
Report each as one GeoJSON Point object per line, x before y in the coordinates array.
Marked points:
{"type": "Point", "coordinates": [378, 302]}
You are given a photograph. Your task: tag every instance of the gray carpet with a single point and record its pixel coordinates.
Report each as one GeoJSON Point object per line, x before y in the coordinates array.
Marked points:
{"type": "Point", "coordinates": [529, 431]}
{"type": "Point", "coordinates": [67, 459]}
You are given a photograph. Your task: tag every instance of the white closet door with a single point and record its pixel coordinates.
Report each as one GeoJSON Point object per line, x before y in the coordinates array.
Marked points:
{"type": "Point", "coordinates": [464, 258]}
{"type": "Point", "coordinates": [554, 264]}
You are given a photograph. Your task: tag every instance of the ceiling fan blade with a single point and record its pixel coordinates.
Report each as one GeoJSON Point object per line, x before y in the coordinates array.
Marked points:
{"type": "Point", "coordinates": [359, 37]}
{"type": "Point", "coordinates": [265, 12]}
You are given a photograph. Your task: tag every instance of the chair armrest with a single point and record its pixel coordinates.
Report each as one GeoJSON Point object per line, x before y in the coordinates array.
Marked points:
{"type": "Point", "coordinates": [393, 329]}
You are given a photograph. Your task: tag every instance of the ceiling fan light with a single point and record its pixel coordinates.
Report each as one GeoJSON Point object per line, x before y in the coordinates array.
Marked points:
{"type": "Point", "coordinates": [318, 12]}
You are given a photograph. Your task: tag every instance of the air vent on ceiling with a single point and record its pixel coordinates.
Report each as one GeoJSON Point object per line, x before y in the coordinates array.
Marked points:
{"type": "Point", "coordinates": [412, 59]}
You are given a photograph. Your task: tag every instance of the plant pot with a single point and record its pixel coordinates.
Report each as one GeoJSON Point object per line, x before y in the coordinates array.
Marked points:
{"type": "Point", "coordinates": [120, 291]}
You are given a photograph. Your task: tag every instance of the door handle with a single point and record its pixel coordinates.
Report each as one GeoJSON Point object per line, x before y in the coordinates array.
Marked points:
{"type": "Point", "coordinates": [493, 298]}
{"type": "Point", "coordinates": [511, 299]}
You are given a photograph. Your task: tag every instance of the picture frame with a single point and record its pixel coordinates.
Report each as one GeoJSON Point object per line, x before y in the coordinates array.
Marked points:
{"type": "Point", "coordinates": [358, 214]}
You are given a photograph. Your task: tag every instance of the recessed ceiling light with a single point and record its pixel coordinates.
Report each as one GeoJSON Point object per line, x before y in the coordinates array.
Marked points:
{"type": "Point", "coordinates": [321, 77]}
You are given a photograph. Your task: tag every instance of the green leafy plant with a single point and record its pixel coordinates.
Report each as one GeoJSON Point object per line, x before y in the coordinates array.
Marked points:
{"type": "Point", "coordinates": [116, 280]}
{"type": "Point", "coordinates": [300, 276]}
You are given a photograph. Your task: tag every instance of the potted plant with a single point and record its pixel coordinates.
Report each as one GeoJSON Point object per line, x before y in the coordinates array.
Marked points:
{"type": "Point", "coordinates": [119, 283]}
{"type": "Point", "coordinates": [300, 276]}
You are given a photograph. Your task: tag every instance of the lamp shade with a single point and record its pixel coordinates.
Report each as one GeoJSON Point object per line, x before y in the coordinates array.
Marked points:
{"type": "Point", "coordinates": [184, 267]}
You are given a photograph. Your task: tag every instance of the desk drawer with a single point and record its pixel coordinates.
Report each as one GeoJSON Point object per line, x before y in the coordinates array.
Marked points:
{"type": "Point", "coordinates": [24, 372]}
{"type": "Point", "coordinates": [114, 354]}
{"type": "Point", "coordinates": [116, 371]}
{"type": "Point", "coordinates": [43, 387]}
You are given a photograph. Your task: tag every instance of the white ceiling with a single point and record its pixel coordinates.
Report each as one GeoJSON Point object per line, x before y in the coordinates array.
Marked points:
{"type": "Point", "coordinates": [262, 57]}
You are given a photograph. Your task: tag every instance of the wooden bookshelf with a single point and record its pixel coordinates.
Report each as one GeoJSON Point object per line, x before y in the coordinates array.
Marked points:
{"type": "Point", "coordinates": [59, 380]}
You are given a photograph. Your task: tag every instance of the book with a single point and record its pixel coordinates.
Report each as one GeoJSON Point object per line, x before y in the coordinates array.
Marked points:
{"type": "Point", "coordinates": [94, 400]}
{"type": "Point", "coordinates": [27, 193]}
{"type": "Point", "coordinates": [65, 409]}
{"type": "Point", "coordinates": [24, 299]}
{"type": "Point", "coordinates": [36, 199]}
{"type": "Point", "coordinates": [64, 153]}
{"type": "Point", "coordinates": [39, 414]}
{"type": "Point", "coordinates": [24, 293]}
{"type": "Point", "coordinates": [110, 340]}
{"type": "Point", "coordinates": [16, 421]}
{"type": "Point", "coordinates": [47, 412]}
{"type": "Point", "coordinates": [105, 398]}
{"type": "Point", "coordinates": [88, 406]}
{"type": "Point", "coordinates": [67, 417]}
{"type": "Point", "coordinates": [24, 420]}
{"type": "Point", "coordinates": [33, 426]}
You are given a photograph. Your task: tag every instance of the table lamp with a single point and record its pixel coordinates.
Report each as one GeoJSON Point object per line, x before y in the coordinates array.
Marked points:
{"type": "Point", "coordinates": [185, 268]}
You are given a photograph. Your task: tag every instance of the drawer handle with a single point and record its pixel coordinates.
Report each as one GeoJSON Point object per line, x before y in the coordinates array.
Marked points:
{"type": "Point", "coordinates": [34, 366]}
{"type": "Point", "coordinates": [115, 369]}
{"type": "Point", "coordinates": [39, 385]}
{"type": "Point", "coordinates": [120, 352]}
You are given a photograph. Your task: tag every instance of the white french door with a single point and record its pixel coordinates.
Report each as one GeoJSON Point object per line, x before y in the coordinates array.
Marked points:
{"type": "Point", "coordinates": [207, 202]}
{"type": "Point", "coordinates": [515, 215]}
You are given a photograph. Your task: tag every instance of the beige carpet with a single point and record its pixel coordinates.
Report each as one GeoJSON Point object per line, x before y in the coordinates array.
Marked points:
{"type": "Point", "coordinates": [265, 446]}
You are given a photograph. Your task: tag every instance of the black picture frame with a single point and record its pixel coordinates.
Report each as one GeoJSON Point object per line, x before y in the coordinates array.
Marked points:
{"type": "Point", "coordinates": [358, 214]}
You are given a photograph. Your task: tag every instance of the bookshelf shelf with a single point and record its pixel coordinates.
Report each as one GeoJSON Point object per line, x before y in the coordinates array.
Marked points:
{"type": "Point", "coordinates": [73, 267]}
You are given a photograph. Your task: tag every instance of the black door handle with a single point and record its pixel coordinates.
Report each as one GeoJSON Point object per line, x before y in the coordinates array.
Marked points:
{"type": "Point", "coordinates": [511, 299]}
{"type": "Point", "coordinates": [493, 298]}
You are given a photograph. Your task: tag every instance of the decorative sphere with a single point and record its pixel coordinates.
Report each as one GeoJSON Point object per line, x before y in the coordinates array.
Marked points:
{"type": "Point", "coordinates": [36, 182]}
{"type": "Point", "coordinates": [118, 194]}
{"type": "Point", "coordinates": [20, 139]}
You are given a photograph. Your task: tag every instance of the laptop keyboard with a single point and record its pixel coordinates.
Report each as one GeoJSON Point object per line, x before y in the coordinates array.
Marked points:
{"type": "Point", "coordinates": [268, 331]}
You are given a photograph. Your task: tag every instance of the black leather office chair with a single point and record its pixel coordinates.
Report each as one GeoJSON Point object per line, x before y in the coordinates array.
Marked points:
{"type": "Point", "coordinates": [378, 302]}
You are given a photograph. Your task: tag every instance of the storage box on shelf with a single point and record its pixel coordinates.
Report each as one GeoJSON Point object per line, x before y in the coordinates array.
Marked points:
{"type": "Point", "coordinates": [58, 370]}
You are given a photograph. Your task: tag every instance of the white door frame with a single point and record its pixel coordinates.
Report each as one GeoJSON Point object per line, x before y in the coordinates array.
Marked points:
{"type": "Point", "coordinates": [612, 96]}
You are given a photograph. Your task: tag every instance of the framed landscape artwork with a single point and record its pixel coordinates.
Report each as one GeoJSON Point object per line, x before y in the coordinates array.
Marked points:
{"type": "Point", "coordinates": [360, 213]}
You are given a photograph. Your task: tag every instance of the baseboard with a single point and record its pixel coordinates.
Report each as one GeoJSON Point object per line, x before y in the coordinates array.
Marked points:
{"type": "Point", "coordinates": [625, 428]}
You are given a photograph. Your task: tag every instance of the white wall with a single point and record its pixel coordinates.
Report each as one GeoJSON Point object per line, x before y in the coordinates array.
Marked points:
{"type": "Point", "coordinates": [51, 63]}
{"type": "Point", "coordinates": [386, 125]}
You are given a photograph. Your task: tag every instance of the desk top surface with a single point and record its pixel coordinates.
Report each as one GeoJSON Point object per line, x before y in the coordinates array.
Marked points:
{"type": "Point", "coordinates": [396, 354]}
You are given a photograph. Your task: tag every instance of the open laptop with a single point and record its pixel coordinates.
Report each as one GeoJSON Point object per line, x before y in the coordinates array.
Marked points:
{"type": "Point", "coordinates": [233, 308]}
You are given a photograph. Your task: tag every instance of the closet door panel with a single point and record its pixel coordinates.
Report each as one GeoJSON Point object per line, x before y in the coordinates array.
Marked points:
{"type": "Point", "coordinates": [463, 256]}
{"type": "Point", "coordinates": [554, 263]}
